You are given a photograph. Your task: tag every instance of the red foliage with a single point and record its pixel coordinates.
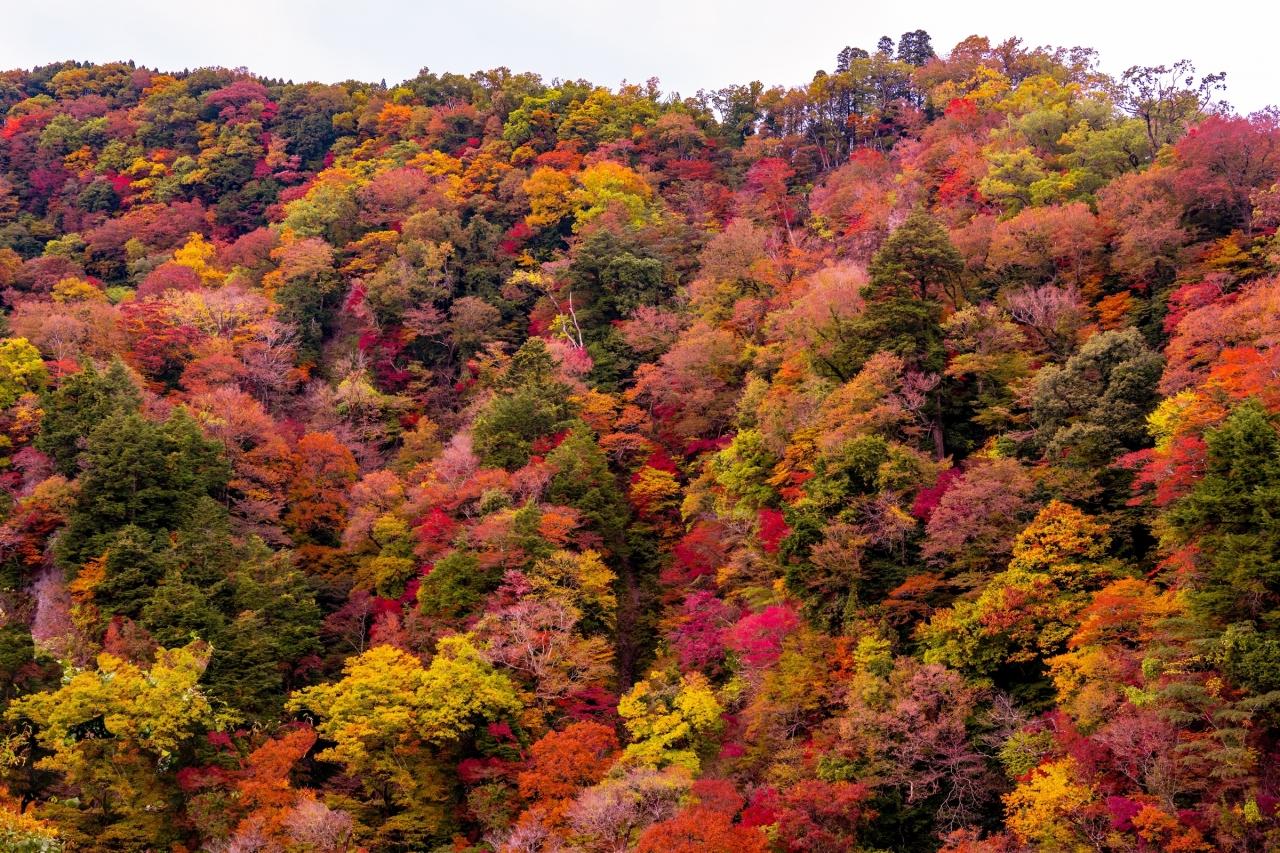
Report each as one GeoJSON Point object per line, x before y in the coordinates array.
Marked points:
{"type": "Point", "coordinates": [821, 817]}
{"type": "Point", "coordinates": [772, 529]}
{"type": "Point", "coordinates": [699, 552]}
{"type": "Point", "coordinates": [698, 636]}
{"type": "Point", "coordinates": [757, 638]}
{"type": "Point", "coordinates": [927, 499]}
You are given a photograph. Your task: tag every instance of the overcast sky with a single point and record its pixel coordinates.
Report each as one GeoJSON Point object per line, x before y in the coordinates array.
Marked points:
{"type": "Point", "coordinates": [687, 44]}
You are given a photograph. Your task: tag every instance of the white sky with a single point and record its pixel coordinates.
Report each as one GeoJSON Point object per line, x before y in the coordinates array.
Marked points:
{"type": "Point", "coordinates": [687, 44]}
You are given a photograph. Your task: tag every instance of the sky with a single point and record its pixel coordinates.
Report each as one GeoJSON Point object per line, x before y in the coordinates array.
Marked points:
{"type": "Point", "coordinates": [687, 44]}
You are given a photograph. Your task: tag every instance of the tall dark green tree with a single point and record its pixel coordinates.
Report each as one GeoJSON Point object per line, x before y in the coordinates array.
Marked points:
{"type": "Point", "coordinates": [1233, 514]}
{"type": "Point", "coordinates": [140, 474]}
{"type": "Point", "coordinates": [1092, 409]}
{"type": "Point", "coordinates": [531, 403]}
{"type": "Point", "coordinates": [81, 402]}
{"type": "Point", "coordinates": [1232, 517]}
{"type": "Point", "coordinates": [583, 481]}
{"type": "Point", "coordinates": [271, 625]}
{"type": "Point", "coordinates": [911, 273]}
{"type": "Point", "coordinates": [915, 48]}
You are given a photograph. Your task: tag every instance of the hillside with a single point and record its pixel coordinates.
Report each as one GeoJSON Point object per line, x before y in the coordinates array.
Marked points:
{"type": "Point", "coordinates": [890, 462]}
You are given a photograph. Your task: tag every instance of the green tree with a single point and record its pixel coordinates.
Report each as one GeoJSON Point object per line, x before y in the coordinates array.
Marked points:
{"type": "Point", "coordinates": [1232, 516]}
{"type": "Point", "coordinates": [583, 481]}
{"type": "Point", "coordinates": [1094, 407]}
{"type": "Point", "coordinates": [531, 403]}
{"type": "Point", "coordinates": [911, 273]}
{"type": "Point", "coordinates": [142, 474]}
{"type": "Point", "coordinates": [455, 585]}
{"type": "Point", "coordinates": [915, 268]}
{"type": "Point", "coordinates": [79, 403]}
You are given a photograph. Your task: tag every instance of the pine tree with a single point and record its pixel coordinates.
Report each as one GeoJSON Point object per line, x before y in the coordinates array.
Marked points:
{"type": "Point", "coordinates": [1233, 514]}
{"type": "Point", "coordinates": [532, 404]}
{"type": "Point", "coordinates": [81, 402]}
{"type": "Point", "coordinates": [142, 474]}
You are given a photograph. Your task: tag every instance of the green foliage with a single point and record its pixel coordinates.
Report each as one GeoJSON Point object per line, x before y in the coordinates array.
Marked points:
{"type": "Point", "coordinates": [743, 470]}
{"type": "Point", "coordinates": [1095, 405]}
{"type": "Point", "coordinates": [454, 586]}
{"type": "Point", "coordinates": [613, 276]}
{"type": "Point", "coordinates": [583, 481]}
{"type": "Point", "coordinates": [140, 474]}
{"type": "Point", "coordinates": [531, 404]}
{"type": "Point", "coordinates": [910, 275]}
{"type": "Point", "coordinates": [80, 403]}
{"type": "Point", "coordinates": [1233, 514]}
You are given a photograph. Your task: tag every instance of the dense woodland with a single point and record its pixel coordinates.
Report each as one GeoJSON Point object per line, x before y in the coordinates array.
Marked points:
{"type": "Point", "coordinates": [890, 462]}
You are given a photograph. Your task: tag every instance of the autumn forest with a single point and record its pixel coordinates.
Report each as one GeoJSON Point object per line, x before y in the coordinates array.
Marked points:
{"type": "Point", "coordinates": [489, 463]}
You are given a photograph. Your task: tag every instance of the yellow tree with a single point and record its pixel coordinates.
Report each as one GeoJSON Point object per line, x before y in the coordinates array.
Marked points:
{"type": "Point", "coordinates": [115, 735]}
{"type": "Point", "coordinates": [1042, 811]}
{"type": "Point", "coordinates": [396, 724]}
{"type": "Point", "coordinates": [197, 254]}
{"type": "Point", "coordinates": [669, 722]}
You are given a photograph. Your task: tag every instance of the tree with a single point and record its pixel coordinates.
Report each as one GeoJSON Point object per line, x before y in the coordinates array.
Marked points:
{"type": "Point", "coordinates": [1166, 98]}
{"type": "Point", "coordinates": [707, 823]}
{"type": "Point", "coordinates": [915, 48]}
{"type": "Point", "coordinates": [1094, 407]}
{"type": "Point", "coordinates": [21, 370]}
{"type": "Point", "coordinates": [915, 268]}
{"type": "Point", "coordinates": [79, 403]}
{"type": "Point", "coordinates": [669, 721]}
{"type": "Point", "coordinates": [1028, 611]}
{"type": "Point", "coordinates": [323, 470]}
{"type": "Point", "coordinates": [455, 585]}
{"type": "Point", "coordinates": [821, 816]}
{"type": "Point", "coordinates": [394, 724]}
{"type": "Point", "coordinates": [1044, 809]}
{"type": "Point", "coordinates": [531, 403]}
{"type": "Point", "coordinates": [561, 763]}
{"type": "Point", "coordinates": [583, 481]}
{"type": "Point", "coordinates": [1232, 516]}
{"type": "Point", "coordinates": [140, 474]}
{"type": "Point", "coordinates": [1223, 164]}
{"type": "Point", "coordinates": [978, 516]}
{"type": "Point", "coordinates": [115, 735]}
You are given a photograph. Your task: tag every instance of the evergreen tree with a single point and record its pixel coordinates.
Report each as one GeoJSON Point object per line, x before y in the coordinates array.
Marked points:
{"type": "Point", "coordinates": [140, 474]}
{"type": "Point", "coordinates": [532, 403]}
{"type": "Point", "coordinates": [583, 481]}
{"type": "Point", "coordinates": [1233, 514]}
{"type": "Point", "coordinates": [81, 402]}
{"type": "Point", "coordinates": [912, 270]}
{"type": "Point", "coordinates": [915, 48]}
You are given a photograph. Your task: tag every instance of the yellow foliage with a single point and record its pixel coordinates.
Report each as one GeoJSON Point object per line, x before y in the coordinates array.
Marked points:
{"type": "Point", "coordinates": [582, 581]}
{"type": "Point", "coordinates": [1041, 809]}
{"type": "Point", "coordinates": [21, 830]}
{"type": "Point", "coordinates": [73, 289]}
{"type": "Point", "coordinates": [387, 702]}
{"type": "Point", "coordinates": [549, 197]}
{"type": "Point", "coordinates": [606, 183]}
{"type": "Point", "coordinates": [155, 711]}
{"type": "Point", "coordinates": [196, 255]}
{"type": "Point", "coordinates": [654, 491]}
{"type": "Point", "coordinates": [1059, 534]}
{"type": "Point", "coordinates": [668, 723]}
